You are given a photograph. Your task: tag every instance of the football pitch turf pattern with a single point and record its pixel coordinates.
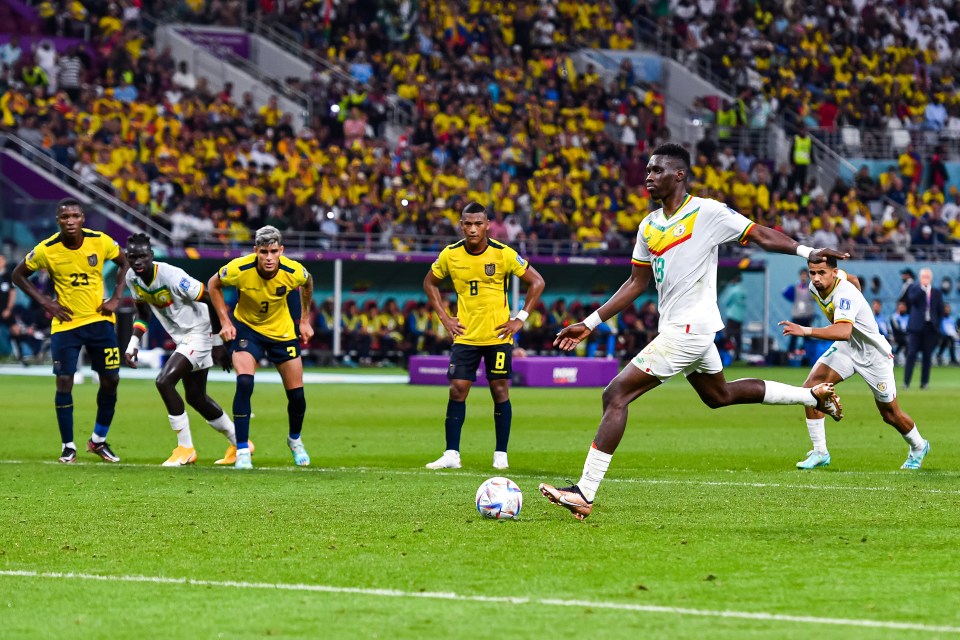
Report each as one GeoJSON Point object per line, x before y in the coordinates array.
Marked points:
{"type": "Point", "coordinates": [703, 528]}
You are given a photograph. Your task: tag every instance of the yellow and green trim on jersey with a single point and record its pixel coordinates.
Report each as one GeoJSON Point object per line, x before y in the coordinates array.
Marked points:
{"type": "Point", "coordinates": [662, 238]}
{"type": "Point", "coordinates": [828, 308]}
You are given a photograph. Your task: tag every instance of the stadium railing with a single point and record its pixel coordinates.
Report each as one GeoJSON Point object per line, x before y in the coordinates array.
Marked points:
{"type": "Point", "coordinates": [101, 195]}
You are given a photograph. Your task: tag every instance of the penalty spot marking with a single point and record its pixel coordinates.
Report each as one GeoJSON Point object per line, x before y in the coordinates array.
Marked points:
{"type": "Point", "coordinates": [449, 595]}
{"type": "Point", "coordinates": [525, 476]}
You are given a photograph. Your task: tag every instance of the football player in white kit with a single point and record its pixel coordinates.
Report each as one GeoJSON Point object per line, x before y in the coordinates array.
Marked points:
{"type": "Point", "coordinates": [181, 303]}
{"type": "Point", "coordinates": [677, 247]}
{"type": "Point", "coordinates": [858, 348]}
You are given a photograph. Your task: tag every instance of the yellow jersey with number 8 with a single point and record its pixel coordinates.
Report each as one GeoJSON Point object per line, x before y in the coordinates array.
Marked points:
{"type": "Point", "coordinates": [481, 281]}
{"type": "Point", "coordinates": [77, 275]}
{"type": "Point", "coordinates": [262, 304]}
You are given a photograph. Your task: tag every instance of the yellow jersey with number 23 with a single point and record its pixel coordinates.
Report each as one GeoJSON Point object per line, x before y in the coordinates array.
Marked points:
{"type": "Point", "coordinates": [77, 275]}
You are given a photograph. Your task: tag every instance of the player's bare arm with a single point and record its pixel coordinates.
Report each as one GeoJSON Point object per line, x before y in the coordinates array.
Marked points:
{"type": "Point", "coordinates": [227, 331]}
{"type": "Point", "coordinates": [535, 285]}
{"type": "Point", "coordinates": [837, 331]}
{"type": "Point", "coordinates": [110, 305]}
{"type": "Point", "coordinates": [139, 329]}
{"type": "Point", "coordinates": [569, 337]}
{"type": "Point", "coordinates": [21, 278]}
{"type": "Point", "coordinates": [306, 298]}
{"type": "Point", "coordinates": [431, 286]}
{"type": "Point", "coordinates": [776, 242]}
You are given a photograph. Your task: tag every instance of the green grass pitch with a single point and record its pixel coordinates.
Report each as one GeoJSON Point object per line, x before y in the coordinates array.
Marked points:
{"type": "Point", "coordinates": [703, 528]}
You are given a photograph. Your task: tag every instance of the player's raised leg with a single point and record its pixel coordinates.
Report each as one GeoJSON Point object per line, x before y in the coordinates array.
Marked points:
{"type": "Point", "coordinates": [716, 392]}
{"type": "Point", "coordinates": [630, 384]}
{"type": "Point", "coordinates": [291, 373]}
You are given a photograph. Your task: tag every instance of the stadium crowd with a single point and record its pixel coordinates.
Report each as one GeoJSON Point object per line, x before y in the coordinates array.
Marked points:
{"type": "Point", "coordinates": [501, 116]}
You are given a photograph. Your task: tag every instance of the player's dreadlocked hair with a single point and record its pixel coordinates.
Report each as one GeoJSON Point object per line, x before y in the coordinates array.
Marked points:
{"type": "Point", "coordinates": [139, 238]}
{"type": "Point", "coordinates": [473, 207]}
{"type": "Point", "coordinates": [267, 235]}
{"type": "Point", "coordinates": [672, 150]}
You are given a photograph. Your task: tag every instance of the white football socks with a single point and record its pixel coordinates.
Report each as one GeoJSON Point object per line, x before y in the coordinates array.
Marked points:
{"type": "Point", "coordinates": [594, 469]}
{"type": "Point", "coordinates": [818, 434]}
{"type": "Point", "coordinates": [914, 439]}
{"type": "Point", "coordinates": [181, 424]}
{"type": "Point", "coordinates": [779, 393]}
{"type": "Point", "coordinates": [224, 425]}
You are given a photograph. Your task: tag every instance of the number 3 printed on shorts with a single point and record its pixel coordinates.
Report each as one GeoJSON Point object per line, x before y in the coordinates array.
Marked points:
{"type": "Point", "coordinates": [292, 352]}
{"type": "Point", "coordinates": [111, 357]}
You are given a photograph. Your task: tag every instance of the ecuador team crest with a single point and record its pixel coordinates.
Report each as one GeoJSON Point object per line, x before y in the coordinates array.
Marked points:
{"type": "Point", "coordinates": [92, 260]}
{"type": "Point", "coordinates": [489, 269]}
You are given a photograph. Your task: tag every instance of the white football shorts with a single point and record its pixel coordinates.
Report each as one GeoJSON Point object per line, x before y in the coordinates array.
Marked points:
{"type": "Point", "coordinates": [671, 353]}
{"type": "Point", "coordinates": [874, 366]}
{"type": "Point", "coordinates": [198, 349]}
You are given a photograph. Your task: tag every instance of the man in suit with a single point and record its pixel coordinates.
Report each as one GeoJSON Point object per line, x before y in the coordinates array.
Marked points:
{"type": "Point", "coordinates": [925, 304]}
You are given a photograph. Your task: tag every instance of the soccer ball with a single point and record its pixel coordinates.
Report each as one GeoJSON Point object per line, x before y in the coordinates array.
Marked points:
{"type": "Point", "coordinates": [499, 498]}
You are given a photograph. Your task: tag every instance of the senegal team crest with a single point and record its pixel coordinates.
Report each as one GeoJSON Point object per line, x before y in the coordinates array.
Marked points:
{"type": "Point", "coordinates": [882, 386]}
{"type": "Point", "coordinates": [489, 269]}
{"type": "Point", "coordinates": [679, 230]}
{"type": "Point", "coordinates": [281, 291]}
{"type": "Point", "coordinates": [92, 260]}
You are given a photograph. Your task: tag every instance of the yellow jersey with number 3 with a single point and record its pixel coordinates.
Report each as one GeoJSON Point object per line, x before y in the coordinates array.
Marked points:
{"type": "Point", "coordinates": [482, 282]}
{"type": "Point", "coordinates": [262, 304]}
{"type": "Point", "coordinates": [77, 275]}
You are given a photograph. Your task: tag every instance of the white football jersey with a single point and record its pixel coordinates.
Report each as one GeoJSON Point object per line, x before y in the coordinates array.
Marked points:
{"type": "Point", "coordinates": [845, 303]}
{"type": "Point", "coordinates": [682, 251]}
{"type": "Point", "coordinates": [173, 295]}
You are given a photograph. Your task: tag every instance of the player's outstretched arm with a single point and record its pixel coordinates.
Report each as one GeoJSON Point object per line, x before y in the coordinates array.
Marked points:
{"type": "Point", "coordinates": [110, 305]}
{"type": "Point", "coordinates": [838, 331]}
{"type": "Point", "coordinates": [570, 337]}
{"type": "Point", "coordinates": [431, 286]}
{"type": "Point", "coordinates": [306, 299]}
{"type": "Point", "coordinates": [776, 242]}
{"type": "Point", "coordinates": [21, 278]}
{"type": "Point", "coordinates": [139, 329]}
{"type": "Point", "coordinates": [535, 285]}
{"type": "Point", "coordinates": [227, 331]}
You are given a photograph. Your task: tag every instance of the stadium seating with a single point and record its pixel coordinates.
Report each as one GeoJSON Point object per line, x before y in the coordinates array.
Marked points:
{"type": "Point", "coordinates": [501, 115]}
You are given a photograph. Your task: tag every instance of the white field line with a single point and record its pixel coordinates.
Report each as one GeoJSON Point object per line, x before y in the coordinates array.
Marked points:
{"type": "Point", "coordinates": [443, 595]}
{"type": "Point", "coordinates": [525, 476]}
{"type": "Point", "coordinates": [215, 375]}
